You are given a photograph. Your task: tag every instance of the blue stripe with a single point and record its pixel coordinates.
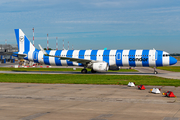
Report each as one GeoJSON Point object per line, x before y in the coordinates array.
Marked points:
{"type": "Point", "coordinates": [81, 56]}
{"type": "Point", "coordinates": [26, 47]}
{"type": "Point", "coordinates": [46, 58]}
{"type": "Point", "coordinates": [145, 58]}
{"type": "Point", "coordinates": [17, 36]}
{"type": "Point", "coordinates": [69, 54]}
{"type": "Point", "coordinates": [26, 44]}
{"type": "Point", "coordinates": [118, 62]}
{"type": "Point", "coordinates": [106, 56]}
{"type": "Point", "coordinates": [132, 62]}
{"type": "Point", "coordinates": [57, 60]}
{"type": "Point", "coordinates": [35, 56]}
{"type": "Point", "coordinates": [159, 58]}
{"type": "Point", "coordinates": [93, 55]}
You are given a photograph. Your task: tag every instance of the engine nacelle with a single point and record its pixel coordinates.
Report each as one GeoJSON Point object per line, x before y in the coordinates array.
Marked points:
{"type": "Point", "coordinates": [100, 67]}
{"type": "Point", "coordinates": [114, 68]}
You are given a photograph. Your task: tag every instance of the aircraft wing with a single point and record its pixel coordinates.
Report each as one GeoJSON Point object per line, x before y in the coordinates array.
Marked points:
{"type": "Point", "coordinates": [21, 55]}
{"type": "Point", "coordinates": [13, 53]}
{"type": "Point", "coordinates": [75, 59]}
{"type": "Point", "coordinates": [78, 60]}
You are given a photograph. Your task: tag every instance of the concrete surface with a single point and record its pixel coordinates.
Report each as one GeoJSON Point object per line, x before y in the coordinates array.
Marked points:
{"type": "Point", "coordinates": [161, 73]}
{"type": "Point", "coordinates": [20, 101]}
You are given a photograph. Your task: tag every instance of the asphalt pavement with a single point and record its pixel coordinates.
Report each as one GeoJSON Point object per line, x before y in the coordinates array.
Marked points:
{"type": "Point", "coordinates": [25, 101]}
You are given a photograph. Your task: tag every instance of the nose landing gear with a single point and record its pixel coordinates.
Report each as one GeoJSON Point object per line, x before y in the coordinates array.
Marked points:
{"type": "Point", "coordinates": [155, 72]}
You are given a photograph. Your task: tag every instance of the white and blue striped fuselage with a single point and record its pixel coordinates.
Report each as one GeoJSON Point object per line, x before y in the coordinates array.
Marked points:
{"type": "Point", "coordinates": [133, 58]}
{"type": "Point", "coordinates": [97, 60]}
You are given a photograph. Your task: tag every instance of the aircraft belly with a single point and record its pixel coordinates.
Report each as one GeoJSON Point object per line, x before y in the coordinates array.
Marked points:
{"type": "Point", "coordinates": [64, 63]}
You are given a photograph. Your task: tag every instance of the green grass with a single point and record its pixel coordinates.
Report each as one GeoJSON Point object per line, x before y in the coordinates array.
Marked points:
{"type": "Point", "coordinates": [38, 69]}
{"type": "Point", "coordinates": [88, 79]}
{"type": "Point", "coordinates": [57, 69]}
{"type": "Point", "coordinates": [170, 68]}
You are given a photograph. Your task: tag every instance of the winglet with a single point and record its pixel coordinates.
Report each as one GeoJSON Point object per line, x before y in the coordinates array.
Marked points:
{"type": "Point", "coordinates": [44, 52]}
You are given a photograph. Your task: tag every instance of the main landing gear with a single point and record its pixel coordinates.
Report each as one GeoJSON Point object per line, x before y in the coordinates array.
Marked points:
{"type": "Point", "coordinates": [155, 72]}
{"type": "Point", "coordinates": [84, 70]}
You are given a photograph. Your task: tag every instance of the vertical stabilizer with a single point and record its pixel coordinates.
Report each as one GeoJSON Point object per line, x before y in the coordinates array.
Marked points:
{"type": "Point", "coordinates": [24, 45]}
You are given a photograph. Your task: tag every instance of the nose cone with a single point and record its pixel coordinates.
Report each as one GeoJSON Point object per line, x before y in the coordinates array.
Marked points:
{"type": "Point", "coordinates": [172, 61]}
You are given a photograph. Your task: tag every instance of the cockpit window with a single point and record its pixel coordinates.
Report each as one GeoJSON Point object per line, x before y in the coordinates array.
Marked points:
{"type": "Point", "coordinates": [165, 55]}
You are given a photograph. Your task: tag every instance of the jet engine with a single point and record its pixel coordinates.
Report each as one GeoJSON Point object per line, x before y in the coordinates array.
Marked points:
{"type": "Point", "coordinates": [100, 67]}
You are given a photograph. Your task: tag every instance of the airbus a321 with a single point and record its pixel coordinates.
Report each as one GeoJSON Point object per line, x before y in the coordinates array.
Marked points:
{"type": "Point", "coordinates": [96, 60]}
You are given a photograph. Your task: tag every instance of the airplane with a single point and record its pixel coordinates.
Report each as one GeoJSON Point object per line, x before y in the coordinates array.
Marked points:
{"type": "Point", "coordinates": [96, 60]}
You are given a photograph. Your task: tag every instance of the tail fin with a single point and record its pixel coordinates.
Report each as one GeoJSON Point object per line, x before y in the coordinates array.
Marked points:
{"type": "Point", "coordinates": [24, 45]}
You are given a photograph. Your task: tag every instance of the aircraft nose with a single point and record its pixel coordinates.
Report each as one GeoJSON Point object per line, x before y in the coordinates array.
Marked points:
{"type": "Point", "coordinates": [172, 61]}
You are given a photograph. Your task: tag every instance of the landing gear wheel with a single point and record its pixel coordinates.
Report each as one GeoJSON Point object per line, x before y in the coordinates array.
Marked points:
{"type": "Point", "coordinates": [83, 71]}
{"type": "Point", "coordinates": [93, 71]}
{"type": "Point", "coordinates": [155, 72]}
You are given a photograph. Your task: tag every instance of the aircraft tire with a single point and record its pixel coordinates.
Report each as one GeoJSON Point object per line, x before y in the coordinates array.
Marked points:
{"type": "Point", "coordinates": [83, 71]}
{"type": "Point", "coordinates": [155, 72]}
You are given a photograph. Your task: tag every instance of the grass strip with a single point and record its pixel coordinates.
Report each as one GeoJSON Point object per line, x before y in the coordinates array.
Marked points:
{"type": "Point", "coordinates": [170, 68]}
{"type": "Point", "coordinates": [57, 69]}
{"type": "Point", "coordinates": [88, 79]}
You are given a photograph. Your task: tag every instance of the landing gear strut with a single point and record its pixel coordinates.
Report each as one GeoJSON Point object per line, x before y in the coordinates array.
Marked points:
{"type": "Point", "coordinates": [84, 71]}
{"type": "Point", "coordinates": [155, 72]}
